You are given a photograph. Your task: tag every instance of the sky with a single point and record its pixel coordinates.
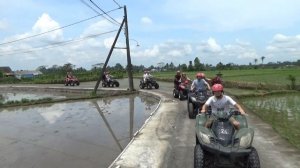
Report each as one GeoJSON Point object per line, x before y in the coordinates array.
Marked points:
{"type": "Point", "coordinates": [47, 33]}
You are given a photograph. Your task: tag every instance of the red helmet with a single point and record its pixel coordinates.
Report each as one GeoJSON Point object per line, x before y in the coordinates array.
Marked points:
{"type": "Point", "coordinates": [201, 75]}
{"type": "Point", "coordinates": [217, 88]}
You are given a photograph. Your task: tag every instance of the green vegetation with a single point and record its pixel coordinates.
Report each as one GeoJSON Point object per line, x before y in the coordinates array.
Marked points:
{"type": "Point", "coordinates": [282, 112]}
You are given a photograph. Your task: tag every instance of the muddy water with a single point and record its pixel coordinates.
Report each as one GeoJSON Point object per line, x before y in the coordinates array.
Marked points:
{"type": "Point", "coordinates": [281, 111]}
{"type": "Point", "coordinates": [18, 96]}
{"type": "Point", "coordinates": [74, 134]}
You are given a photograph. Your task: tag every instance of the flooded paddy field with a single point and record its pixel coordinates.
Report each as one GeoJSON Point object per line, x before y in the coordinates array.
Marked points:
{"type": "Point", "coordinates": [281, 111]}
{"type": "Point", "coordinates": [89, 133]}
{"type": "Point", "coordinates": [6, 96]}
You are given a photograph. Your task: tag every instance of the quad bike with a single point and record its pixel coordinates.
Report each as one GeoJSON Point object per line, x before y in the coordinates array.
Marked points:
{"type": "Point", "coordinates": [181, 91]}
{"type": "Point", "coordinates": [72, 81]}
{"type": "Point", "coordinates": [111, 83]}
{"type": "Point", "coordinates": [222, 145]}
{"type": "Point", "coordinates": [195, 101]}
{"type": "Point", "coordinates": [150, 82]}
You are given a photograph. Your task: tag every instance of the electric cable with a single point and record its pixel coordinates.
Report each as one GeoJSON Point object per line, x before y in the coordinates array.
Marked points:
{"type": "Point", "coordinates": [98, 12]}
{"type": "Point", "coordinates": [57, 44]}
{"type": "Point", "coordinates": [117, 3]}
{"type": "Point", "coordinates": [104, 12]}
{"type": "Point", "coordinates": [28, 37]}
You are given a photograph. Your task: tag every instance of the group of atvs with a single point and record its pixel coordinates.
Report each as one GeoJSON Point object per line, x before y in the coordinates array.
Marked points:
{"type": "Point", "coordinates": [221, 145]}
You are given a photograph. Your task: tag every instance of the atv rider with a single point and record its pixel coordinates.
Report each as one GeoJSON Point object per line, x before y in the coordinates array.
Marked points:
{"type": "Point", "coordinates": [184, 78]}
{"type": "Point", "coordinates": [217, 79]}
{"type": "Point", "coordinates": [200, 83]}
{"type": "Point", "coordinates": [107, 77]}
{"type": "Point", "coordinates": [146, 76]}
{"type": "Point", "coordinates": [177, 80]}
{"type": "Point", "coordinates": [69, 75]}
{"type": "Point", "coordinates": [221, 102]}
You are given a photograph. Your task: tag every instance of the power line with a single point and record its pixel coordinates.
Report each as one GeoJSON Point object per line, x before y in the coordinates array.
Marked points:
{"type": "Point", "coordinates": [105, 12]}
{"type": "Point", "coordinates": [117, 3]}
{"type": "Point", "coordinates": [13, 41]}
{"type": "Point", "coordinates": [98, 12]}
{"type": "Point", "coordinates": [57, 44]}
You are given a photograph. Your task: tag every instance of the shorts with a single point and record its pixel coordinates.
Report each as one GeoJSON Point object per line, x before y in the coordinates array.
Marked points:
{"type": "Point", "coordinates": [212, 118]}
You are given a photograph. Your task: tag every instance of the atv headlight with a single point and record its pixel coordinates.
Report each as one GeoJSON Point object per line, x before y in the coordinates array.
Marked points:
{"type": "Point", "coordinates": [193, 99]}
{"type": "Point", "coordinates": [245, 140]}
{"type": "Point", "coordinates": [205, 138]}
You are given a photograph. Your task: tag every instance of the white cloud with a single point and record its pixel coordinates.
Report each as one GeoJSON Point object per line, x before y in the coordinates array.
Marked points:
{"type": "Point", "coordinates": [46, 23]}
{"type": "Point", "coordinates": [146, 20]}
{"type": "Point", "coordinates": [209, 46]}
{"type": "Point", "coordinates": [98, 27]}
{"type": "Point", "coordinates": [284, 47]}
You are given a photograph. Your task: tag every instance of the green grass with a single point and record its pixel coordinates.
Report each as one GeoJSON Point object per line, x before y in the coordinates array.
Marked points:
{"type": "Point", "coordinates": [252, 76]}
{"type": "Point", "coordinates": [280, 111]}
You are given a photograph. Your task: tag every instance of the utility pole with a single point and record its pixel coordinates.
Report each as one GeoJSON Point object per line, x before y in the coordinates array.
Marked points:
{"type": "Point", "coordinates": [108, 57]}
{"type": "Point", "coordinates": [129, 66]}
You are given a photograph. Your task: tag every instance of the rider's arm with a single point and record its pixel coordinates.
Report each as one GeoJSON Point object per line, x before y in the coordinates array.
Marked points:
{"type": "Point", "coordinates": [236, 105]}
{"type": "Point", "coordinates": [206, 104]}
{"type": "Point", "coordinates": [193, 86]}
{"type": "Point", "coordinates": [240, 109]}
{"type": "Point", "coordinates": [208, 87]}
{"type": "Point", "coordinates": [204, 108]}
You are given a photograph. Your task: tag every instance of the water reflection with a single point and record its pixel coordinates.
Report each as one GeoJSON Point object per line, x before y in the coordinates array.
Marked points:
{"type": "Point", "coordinates": [19, 95]}
{"type": "Point", "coordinates": [88, 133]}
{"type": "Point", "coordinates": [107, 124]}
{"type": "Point", "coordinates": [281, 111]}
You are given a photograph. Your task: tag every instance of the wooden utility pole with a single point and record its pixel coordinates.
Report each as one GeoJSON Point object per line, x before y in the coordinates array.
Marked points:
{"type": "Point", "coordinates": [129, 66]}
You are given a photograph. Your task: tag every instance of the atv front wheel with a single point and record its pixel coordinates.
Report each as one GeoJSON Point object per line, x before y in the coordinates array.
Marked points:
{"type": "Point", "coordinates": [142, 86]}
{"type": "Point", "coordinates": [253, 159]}
{"type": "Point", "coordinates": [156, 86]}
{"type": "Point", "coordinates": [103, 84]}
{"type": "Point", "coordinates": [198, 157]}
{"type": "Point", "coordinates": [175, 93]}
{"type": "Point", "coordinates": [181, 97]}
{"type": "Point", "coordinates": [191, 110]}
{"type": "Point", "coordinates": [117, 84]}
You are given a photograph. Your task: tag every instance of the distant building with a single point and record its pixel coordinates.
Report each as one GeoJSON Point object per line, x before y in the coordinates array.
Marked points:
{"type": "Point", "coordinates": [7, 71]}
{"type": "Point", "coordinates": [27, 74]}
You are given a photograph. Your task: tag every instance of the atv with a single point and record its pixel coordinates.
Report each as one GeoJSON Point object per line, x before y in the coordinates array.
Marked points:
{"type": "Point", "coordinates": [195, 101]}
{"type": "Point", "coordinates": [72, 81]}
{"type": "Point", "coordinates": [111, 83]}
{"type": "Point", "coordinates": [150, 82]}
{"type": "Point", "coordinates": [222, 145]}
{"type": "Point", "coordinates": [181, 91]}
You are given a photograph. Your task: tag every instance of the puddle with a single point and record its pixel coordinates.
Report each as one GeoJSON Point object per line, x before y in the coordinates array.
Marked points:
{"type": "Point", "coordinates": [75, 134]}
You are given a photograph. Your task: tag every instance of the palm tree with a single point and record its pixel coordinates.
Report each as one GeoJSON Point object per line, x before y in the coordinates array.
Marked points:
{"type": "Point", "coordinates": [262, 59]}
{"type": "Point", "coordinates": [255, 61]}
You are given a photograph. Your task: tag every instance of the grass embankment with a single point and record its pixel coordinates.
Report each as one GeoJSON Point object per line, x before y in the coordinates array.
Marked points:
{"type": "Point", "coordinates": [27, 102]}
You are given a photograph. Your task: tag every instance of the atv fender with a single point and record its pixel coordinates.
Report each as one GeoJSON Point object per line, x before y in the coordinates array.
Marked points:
{"type": "Point", "coordinates": [243, 121]}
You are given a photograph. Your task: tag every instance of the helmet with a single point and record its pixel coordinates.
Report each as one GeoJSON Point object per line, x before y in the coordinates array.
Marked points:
{"type": "Point", "coordinates": [217, 88]}
{"type": "Point", "coordinates": [201, 75]}
{"type": "Point", "coordinates": [178, 72]}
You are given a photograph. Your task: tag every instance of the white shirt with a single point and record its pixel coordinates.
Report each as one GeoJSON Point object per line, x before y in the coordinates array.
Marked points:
{"type": "Point", "coordinates": [199, 84]}
{"type": "Point", "coordinates": [223, 104]}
